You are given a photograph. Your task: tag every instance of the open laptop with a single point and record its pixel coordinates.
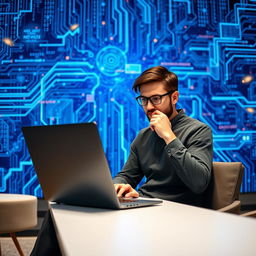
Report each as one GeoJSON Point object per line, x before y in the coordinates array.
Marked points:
{"type": "Point", "coordinates": [72, 168]}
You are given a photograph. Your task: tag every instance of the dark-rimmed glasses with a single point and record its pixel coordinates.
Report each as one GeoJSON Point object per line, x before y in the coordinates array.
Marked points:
{"type": "Point", "coordinates": [154, 99]}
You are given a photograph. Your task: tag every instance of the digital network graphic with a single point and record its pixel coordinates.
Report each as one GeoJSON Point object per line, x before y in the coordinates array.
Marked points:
{"type": "Point", "coordinates": [75, 61]}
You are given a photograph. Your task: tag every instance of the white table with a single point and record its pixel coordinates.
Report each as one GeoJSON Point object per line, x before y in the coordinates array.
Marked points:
{"type": "Point", "coordinates": [168, 229]}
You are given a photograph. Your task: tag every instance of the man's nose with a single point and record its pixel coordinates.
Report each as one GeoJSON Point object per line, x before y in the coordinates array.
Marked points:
{"type": "Point", "coordinates": [149, 106]}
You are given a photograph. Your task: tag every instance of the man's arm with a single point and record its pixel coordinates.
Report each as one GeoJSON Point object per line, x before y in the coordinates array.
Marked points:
{"type": "Point", "coordinates": [194, 162]}
{"type": "Point", "coordinates": [130, 176]}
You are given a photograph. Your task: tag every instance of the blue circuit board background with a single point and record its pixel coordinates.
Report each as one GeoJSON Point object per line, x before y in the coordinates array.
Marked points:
{"type": "Point", "coordinates": [76, 60]}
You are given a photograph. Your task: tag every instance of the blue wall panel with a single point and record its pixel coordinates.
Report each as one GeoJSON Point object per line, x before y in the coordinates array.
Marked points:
{"type": "Point", "coordinates": [75, 61]}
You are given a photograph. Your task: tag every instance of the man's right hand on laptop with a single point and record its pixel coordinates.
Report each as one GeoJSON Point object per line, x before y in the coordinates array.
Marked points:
{"type": "Point", "coordinates": [125, 190]}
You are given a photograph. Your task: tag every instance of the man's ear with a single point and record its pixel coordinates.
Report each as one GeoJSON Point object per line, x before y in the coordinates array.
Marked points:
{"type": "Point", "coordinates": [175, 97]}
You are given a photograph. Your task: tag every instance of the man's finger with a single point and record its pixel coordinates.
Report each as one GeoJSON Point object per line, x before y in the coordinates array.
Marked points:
{"type": "Point", "coordinates": [121, 191]}
{"type": "Point", "coordinates": [117, 187]}
{"type": "Point", "coordinates": [158, 112]}
{"type": "Point", "coordinates": [152, 119]}
{"type": "Point", "coordinates": [152, 127]}
{"type": "Point", "coordinates": [132, 194]}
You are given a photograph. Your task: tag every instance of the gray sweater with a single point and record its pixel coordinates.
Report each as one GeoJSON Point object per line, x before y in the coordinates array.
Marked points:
{"type": "Point", "coordinates": [179, 171]}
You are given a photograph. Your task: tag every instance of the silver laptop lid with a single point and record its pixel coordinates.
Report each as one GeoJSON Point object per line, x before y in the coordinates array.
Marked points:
{"type": "Point", "coordinates": [71, 165]}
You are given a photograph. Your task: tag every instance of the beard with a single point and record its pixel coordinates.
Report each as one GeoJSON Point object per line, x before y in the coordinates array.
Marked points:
{"type": "Point", "coordinates": [167, 112]}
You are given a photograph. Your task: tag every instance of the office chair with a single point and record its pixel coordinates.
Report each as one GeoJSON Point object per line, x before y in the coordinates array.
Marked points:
{"type": "Point", "coordinates": [249, 214]}
{"type": "Point", "coordinates": [223, 191]}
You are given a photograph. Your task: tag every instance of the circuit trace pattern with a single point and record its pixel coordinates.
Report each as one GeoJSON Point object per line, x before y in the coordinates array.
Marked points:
{"type": "Point", "coordinates": [75, 61]}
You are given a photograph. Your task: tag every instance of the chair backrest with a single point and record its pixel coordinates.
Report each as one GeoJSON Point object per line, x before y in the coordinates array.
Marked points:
{"type": "Point", "coordinates": [225, 185]}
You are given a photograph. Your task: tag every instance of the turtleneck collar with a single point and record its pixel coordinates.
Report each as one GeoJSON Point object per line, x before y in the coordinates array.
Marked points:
{"type": "Point", "coordinates": [175, 120]}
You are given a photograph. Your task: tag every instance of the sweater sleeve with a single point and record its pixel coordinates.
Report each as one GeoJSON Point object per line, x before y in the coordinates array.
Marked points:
{"type": "Point", "coordinates": [131, 172]}
{"type": "Point", "coordinates": [193, 163]}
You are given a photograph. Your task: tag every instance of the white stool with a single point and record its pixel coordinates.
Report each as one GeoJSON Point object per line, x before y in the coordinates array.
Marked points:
{"type": "Point", "coordinates": [17, 213]}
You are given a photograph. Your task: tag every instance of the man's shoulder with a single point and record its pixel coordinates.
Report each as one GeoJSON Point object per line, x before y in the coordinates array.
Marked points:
{"type": "Point", "coordinates": [143, 133]}
{"type": "Point", "coordinates": [192, 122]}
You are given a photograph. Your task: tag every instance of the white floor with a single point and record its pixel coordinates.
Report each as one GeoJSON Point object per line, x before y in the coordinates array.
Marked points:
{"type": "Point", "coordinates": [8, 247]}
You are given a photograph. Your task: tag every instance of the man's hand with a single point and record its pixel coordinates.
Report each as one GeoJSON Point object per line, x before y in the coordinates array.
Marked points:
{"type": "Point", "coordinates": [125, 190]}
{"type": "Point", "coordinates": [161, 124]}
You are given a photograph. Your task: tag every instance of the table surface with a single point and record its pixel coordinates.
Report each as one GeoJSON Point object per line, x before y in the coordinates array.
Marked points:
{"type": "Point", "coordinates": [167, 229]}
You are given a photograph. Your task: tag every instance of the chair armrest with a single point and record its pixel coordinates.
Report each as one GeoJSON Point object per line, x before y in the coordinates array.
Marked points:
{"type": "Point", "coordinates": [250, 214]}
{"type": "Point", "coordinates": [232, 208]}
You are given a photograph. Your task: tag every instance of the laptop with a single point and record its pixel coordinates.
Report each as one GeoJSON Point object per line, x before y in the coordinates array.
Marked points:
{"type": "Point", "coordinates": [72, 168]}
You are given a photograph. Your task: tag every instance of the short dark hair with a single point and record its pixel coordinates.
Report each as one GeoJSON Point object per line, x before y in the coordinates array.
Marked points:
{"type": "Point", "coordinates": [157, 74]}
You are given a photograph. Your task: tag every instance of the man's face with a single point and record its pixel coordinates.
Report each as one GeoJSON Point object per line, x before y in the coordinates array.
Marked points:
{"type": "Point", "coordinates": [157, 88]}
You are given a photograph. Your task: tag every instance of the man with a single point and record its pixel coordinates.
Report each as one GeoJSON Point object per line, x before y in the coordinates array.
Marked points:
{"type": "Point", "coordinates": [174, 152]}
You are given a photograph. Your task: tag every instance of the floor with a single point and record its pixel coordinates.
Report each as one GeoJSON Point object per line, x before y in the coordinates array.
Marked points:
{"type": "Point", "coordinates": [8, 248]}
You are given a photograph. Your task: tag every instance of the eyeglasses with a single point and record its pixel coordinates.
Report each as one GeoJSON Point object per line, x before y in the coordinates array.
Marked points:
{"type": "Point", "coordinates": [155, 99]}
